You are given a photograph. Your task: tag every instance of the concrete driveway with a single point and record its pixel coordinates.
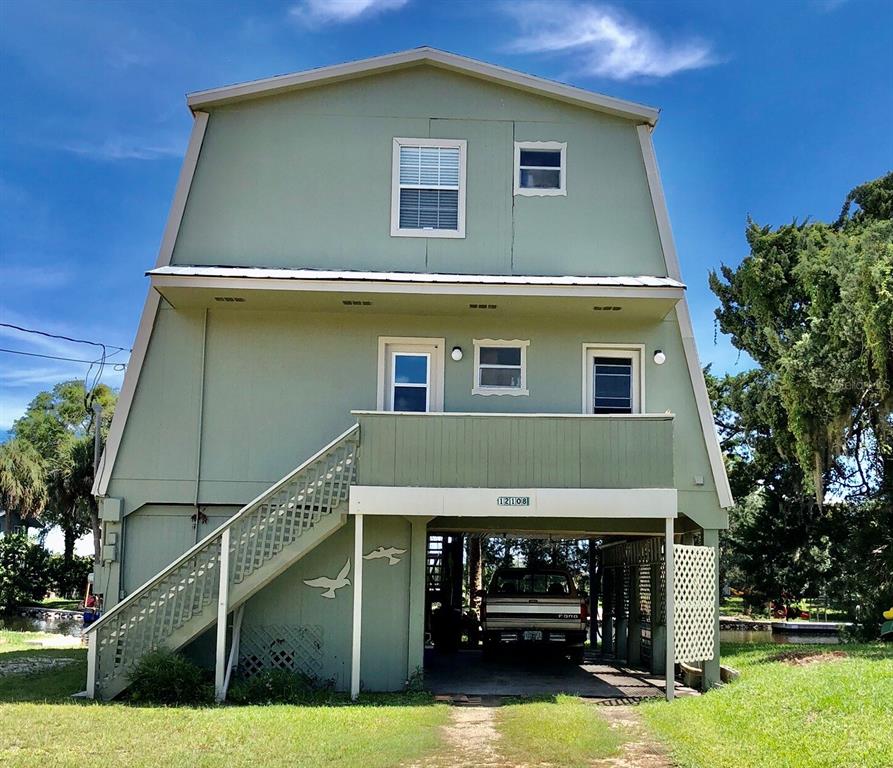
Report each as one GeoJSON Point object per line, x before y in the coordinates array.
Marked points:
{"type": "Point", "coordinates": [515, 674]}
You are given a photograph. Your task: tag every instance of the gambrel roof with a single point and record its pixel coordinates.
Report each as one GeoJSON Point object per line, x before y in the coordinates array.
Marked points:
{"type": "Point", "coordinates": [424, 56]}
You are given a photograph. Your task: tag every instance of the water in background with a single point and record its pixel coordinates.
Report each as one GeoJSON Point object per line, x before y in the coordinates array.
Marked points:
{"type": "Point", "coordinates": [768, 636]}
{"type": "Point", "coordinates": [69, 626]}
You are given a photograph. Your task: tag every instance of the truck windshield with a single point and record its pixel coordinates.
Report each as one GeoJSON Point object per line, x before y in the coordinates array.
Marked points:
{"type": "Point", "coordinates": [530, 584]}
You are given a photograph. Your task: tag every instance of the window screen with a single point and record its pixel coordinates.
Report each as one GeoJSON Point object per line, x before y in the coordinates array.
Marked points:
{"type": "Point", "coordinates": [499, 367]}
{"type": "Point", "coordinates": [612, 385]}
{"type": "Point", "coordinates": [429, 187]}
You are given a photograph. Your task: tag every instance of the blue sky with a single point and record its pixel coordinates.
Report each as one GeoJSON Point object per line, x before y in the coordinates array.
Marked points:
{"type": "Point", "coordinates": [769, 109]}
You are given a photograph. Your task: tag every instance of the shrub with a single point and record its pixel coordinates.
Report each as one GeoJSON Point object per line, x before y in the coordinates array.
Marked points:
{"type": "Point", "coordinates": [278, 686]}
{"type": "Point", "coordinates": [24, 575]}
{"type": "Point", "coordinates": [69, 579]}
{"type": "Point", "coordinates": [165, 677]}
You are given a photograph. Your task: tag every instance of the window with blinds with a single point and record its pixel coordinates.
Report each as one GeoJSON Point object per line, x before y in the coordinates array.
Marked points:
{"type": "Point", "coordinates": [429, 195]}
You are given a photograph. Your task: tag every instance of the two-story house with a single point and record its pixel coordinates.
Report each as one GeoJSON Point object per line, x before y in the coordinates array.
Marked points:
{"type": "Point", "coordinates": [431, 295]}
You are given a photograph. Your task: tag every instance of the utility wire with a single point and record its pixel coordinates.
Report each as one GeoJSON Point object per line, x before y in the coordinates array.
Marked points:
{"type": "Point", "coordinates": [56, 357]}
{"type": "Point", "coordinates": [64, 338]}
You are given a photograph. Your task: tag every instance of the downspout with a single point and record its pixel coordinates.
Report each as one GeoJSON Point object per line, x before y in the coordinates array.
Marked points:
{"type": "Point", "coordinates": [201, 419]}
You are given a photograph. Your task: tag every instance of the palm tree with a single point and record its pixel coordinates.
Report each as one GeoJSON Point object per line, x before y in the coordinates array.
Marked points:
{"type": "Point", "coordinates": [22, 481]}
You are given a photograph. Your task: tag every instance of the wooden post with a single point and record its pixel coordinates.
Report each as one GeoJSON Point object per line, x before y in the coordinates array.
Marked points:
{"type": "Point", "coordinates": [415, 652]}
{"type": "Point", "coordinates": [357, 606]}
{"type": "Point", "coordinates": [92, 641]}
{"type": "Point", "coordinates": [670, 632]}
{"type": "Point", "coordinates": [607, 609]}
{"type": "Point", "coordinates": [222, 609]}
{"type": "Point", "coordinates": [634, 622]}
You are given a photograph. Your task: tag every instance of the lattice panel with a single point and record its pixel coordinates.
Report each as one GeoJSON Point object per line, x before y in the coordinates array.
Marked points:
{"type": "Point", "coordinates": [281, 646]}
{"type": "Point", "coordinates": [645, 610]}
{"type": "Point", "coordinates": [159, 613]}
{"type": "Point", "coordinates": [694, 597]}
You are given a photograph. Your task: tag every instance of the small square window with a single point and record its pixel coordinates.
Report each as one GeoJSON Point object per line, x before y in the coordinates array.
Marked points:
{"type": "Point", "coordinates": [500, 367]}
{"type": "Point", "coordinates": [540, 168]}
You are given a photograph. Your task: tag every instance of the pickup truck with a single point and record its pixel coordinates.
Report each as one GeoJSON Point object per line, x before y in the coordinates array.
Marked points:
{"type": "Point", "coordinates": [534, 606]}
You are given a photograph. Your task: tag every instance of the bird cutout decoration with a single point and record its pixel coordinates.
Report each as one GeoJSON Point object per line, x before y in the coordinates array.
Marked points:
{"type": "Point", "coordinates": [389, 552]}
{"type": "Point", "coordinates": [330, 585]}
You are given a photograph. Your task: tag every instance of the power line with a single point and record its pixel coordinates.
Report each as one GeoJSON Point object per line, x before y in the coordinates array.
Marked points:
{"type": "Point", "coordinates": [65, 338]}
{"type": "Point", "coordinates": [56, 357]}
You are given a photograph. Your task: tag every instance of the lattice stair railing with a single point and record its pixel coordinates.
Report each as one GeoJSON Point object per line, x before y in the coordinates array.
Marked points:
{"type": "Point", "coordinates": [174, 605]}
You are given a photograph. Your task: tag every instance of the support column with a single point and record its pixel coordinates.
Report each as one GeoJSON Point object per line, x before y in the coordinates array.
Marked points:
{"type": "Point", "coordinates": [91, 665]}
{"type": "Point", "coordinates": [621, 624]}
{"type": "Point", "coordinates": [357, 606]}
{"type": "Point", "coordinates": [634, 623]}
{"type": "Point", "coordinates": [711, 676]}
{"type": "Point", "coordinates": [658, 621]}
{"type": "Point", "coordinates": [671, 639]}
{"type": "Point", "coordinates": [415, 653]}
{"type": "Point", "coordinates": [222, 610]}
{"type": "Point", "coordinates": [607, 610]}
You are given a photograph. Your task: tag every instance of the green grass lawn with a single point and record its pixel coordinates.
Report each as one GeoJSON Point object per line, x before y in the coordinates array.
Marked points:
{"type": "Point", "coordinates": [43, 726]}
{"type": "Point", "coordinates": [565, 731]}
{"type": "Point", "coordinates": [827, 714]}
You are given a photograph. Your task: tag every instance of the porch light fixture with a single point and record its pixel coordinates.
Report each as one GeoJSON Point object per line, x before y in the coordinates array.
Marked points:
{"type": "Point", "coordinates": [456, 354]}
{"type": "Point", "coordinates": [659, 357]}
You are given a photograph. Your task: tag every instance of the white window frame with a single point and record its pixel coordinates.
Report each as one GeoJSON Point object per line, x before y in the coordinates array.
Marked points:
{"type": "Point", "coordinates": [396, 231]}
{"type": "Point", "coordinates": [411, 345]}
{"type": "Point", "coordinates": [551, 146]}
{"type": "Point", "coordinates": [477, 389]}
{"type": "Point", "coordinates": [634, 351]}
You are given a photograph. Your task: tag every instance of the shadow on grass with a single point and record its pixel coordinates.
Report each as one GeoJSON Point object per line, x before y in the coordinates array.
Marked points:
{"type": "Point", "coordinates": [53, 675]}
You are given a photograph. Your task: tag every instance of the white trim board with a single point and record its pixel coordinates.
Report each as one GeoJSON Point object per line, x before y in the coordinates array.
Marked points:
{"type": "Point", "coordinates": [150, 309]}
{"type": "Point", "coordinates": [668, 247]}
{"type": "Point", "coordinates": [192, 277]}
{"type": "Point", "coordinates": [414, 57]}
{"type": "Point", "coordinates": [648, 503]}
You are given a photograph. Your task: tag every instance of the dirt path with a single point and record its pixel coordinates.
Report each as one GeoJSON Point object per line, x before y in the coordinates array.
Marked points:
{"type": "Point", "coordinates": [472, 741]}
{"type": "Point", "coordinates": [640, 749]}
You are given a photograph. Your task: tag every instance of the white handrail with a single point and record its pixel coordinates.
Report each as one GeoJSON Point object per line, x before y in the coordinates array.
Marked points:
{"type": "Point", "coordinates": [200, 545]}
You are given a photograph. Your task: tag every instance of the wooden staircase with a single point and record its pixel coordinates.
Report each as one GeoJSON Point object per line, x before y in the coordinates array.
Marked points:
{"type": "Point", "coordinates": [254, 546]}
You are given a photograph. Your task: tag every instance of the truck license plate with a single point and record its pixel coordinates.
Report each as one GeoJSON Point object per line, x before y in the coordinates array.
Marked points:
{"type": "Point", "coordinates": [533, 634]}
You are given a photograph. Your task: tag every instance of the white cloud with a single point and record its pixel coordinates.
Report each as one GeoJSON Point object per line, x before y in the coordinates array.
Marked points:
{"type": "Point", "coordinates": [315, 12]}
{"type": "Point", "coordinates": [604, 41]}
{"type": "Point", "coordinates": [124, 148]}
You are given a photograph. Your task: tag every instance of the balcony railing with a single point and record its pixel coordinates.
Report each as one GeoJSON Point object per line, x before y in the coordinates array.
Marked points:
{"type": "Point", "coordinates": [477, 450]}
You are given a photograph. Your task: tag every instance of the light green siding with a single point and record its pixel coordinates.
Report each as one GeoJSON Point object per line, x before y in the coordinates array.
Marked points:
{"type": "Point", "coordinates": [304, 180]}
{"type": "Point", "coordinates": [281, 384]}
{"type": "Point", "coordinates": [515, 452]}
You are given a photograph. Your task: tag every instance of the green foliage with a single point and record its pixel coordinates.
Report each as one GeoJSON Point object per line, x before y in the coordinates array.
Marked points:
{"type": "Point", "coordinates": [23, 571]}
{"type": "Point", "coordinates": [169, 678]}
{"type": "Point", "coordinates": [813, 305]}
{"type": "Point", "coordinates": [22, 480]}
{"type": "Point", "coordinates": [59, 424]}
{"type": "Point", "coordinates": [278, 686]}
{"type": "Point", "coordinates": [808, 435]}
{"type": "Point", "coordinates": [68, 578]}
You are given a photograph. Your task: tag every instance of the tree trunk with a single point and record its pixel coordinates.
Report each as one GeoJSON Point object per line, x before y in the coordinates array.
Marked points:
{"type": "Point", "coordinates": [68, 551]}
{"type": "Point", "coordinates": [475, 570]}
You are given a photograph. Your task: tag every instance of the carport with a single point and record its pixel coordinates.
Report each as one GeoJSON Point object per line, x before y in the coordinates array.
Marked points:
{"type": "Point", "coordinates": [647, 622]}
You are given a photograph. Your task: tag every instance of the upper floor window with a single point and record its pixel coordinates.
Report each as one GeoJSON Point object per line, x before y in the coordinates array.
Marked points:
{"type": "Point", "coordinates": [500, 367]}
{"type": "Point", "coordinates": [613, 379]}
{"type": "Point", "coordinates": [428, 188]}
{"type": "Point", "coordinates": [540, 168]}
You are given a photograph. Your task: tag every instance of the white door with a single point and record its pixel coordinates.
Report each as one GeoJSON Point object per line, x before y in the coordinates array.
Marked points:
{"type": "Point", "coordinates": [411, 375]}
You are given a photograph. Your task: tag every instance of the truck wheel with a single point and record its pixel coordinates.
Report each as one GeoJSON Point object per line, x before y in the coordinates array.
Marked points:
{"type": "Point", "coordinates": [577, 655]}
{"type": "Point", "coordinates": [489, 650]}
